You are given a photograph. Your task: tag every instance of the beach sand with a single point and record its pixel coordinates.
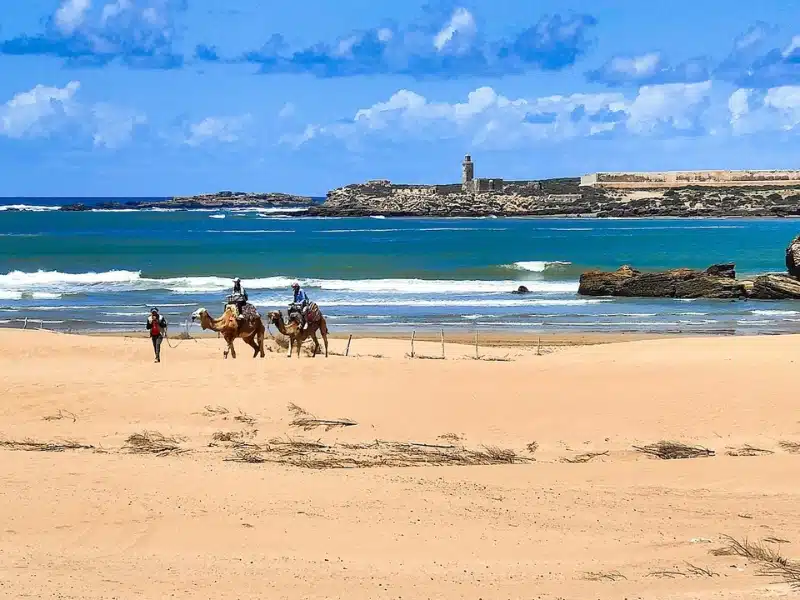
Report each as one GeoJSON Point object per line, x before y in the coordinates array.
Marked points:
{"type": "Point", "coordinates": [107, 523]}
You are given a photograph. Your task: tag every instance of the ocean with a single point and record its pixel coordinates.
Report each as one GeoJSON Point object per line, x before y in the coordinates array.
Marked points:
{"type": "Point", "coordinates": [101, 270]}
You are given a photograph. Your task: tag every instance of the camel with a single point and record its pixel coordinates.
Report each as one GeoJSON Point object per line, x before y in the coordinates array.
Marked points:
{"type": "Point", "coordinates": [297, 336]}
{"type": "Point", "coordinates": [252, 332]}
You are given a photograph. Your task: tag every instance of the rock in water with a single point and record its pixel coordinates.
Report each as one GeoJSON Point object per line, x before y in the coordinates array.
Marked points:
{"type": "Point", "coordinates": [775, 287]}
{"type": "Point", "coordinates": [722, 270]}
{"type": "Point", "coordinates": [793, 257]}
{"type": "Point", "coordinates": [604, 283]}
{"type": "Point", "coordinates": [718, 281]}
{"type": "Point", "coordinates": [521, 290]}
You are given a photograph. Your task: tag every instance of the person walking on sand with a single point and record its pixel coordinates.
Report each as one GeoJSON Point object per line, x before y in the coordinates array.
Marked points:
{"type": "Point", "coordinates": [157, 325]}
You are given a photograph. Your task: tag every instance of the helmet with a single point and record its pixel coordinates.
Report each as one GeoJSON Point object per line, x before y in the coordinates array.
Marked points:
{"type": "Point", "coordinates": [237, 280]}
{"type": "Point", "coordinates": [153, 310]}
{"type": "Point", "coordinates": [295, 285]}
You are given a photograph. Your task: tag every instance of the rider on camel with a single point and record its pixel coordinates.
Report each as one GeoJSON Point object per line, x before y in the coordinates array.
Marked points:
{"type": "Point", "coordinates": [238, 297]}
{"type": "Point", "coordinates": [300, 301]}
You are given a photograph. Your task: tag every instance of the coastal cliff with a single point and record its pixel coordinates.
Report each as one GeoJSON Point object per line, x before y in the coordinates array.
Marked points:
{"type": "Point", "coordinates": [220, 200]}
{"type": "Point", "coordinates": [557, 197]}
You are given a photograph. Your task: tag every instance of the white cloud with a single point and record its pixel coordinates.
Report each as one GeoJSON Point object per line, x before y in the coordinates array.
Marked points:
{"type": "Point", "coordinates": [287, 110]}
{"type": "Point", "coordinates": [38, 111]}
{"type": "Point", "coordinates": [217, 129]}
{"type": "Point", "coordinates": [461, 27]}
{"type": "Point", "coordinates": [113, 126]}
{"type": "Point", "coordinates": [637, 66]}
{"type": "Point", "coordinates": [492, 119]}
{"type": "Point", "coordinates": [71, 13]}
{"type": "Point", "coordinates": [792, 48]}
{"type": "Point", "coordinates": [45, 110]}
{"type": "Point", "coordinates": [676, 104]}
{"type": "Point", "coordinates": [775, 109]}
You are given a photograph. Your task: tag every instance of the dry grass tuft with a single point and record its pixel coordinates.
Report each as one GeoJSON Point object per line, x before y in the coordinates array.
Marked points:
{"type": "Point", "coordinates": [308, 422]}
{"type": "Point", "coordinates": [674, 450]}
{"type": "Point", "coordinates": [793, 447]}
{"type": "Point", "coordinates": [215, 411]}
{"type": "Point", "coordinates": [243, 417]}
{"type": "Point", "coordinates": [700, 571]}
{"type": "Point", "coordinates": [61, 414]}
{"type": "Point", "coordinates": [773, 564]}
{"type": "Point", "coordinates": [450, 437]}
{"type": "Point", "coordinates": [583, 458]}
{"type": "Point", "coordinates": [316, 455]}
{"type": "Point", "coordinates": [232, 436]}
{"type": "Point", "coordinates": [604, 576]}
{"type": "Point", "coordinates": [153, 442]}
{"type": "Point", "coordinates": [532, 447]}
{"type": "Point", "coordinates": [30, 445]}
{"type": "Point", "coordinates": [748, 450]}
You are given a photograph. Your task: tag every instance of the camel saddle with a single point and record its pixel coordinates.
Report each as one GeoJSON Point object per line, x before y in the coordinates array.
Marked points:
{"type": "Point", "coordinates": [249, 312]}
{"type": "Point", "coordinates": [311, 315]}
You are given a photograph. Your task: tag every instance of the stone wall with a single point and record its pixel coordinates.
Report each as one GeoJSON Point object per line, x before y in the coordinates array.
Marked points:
{"type": "Point", "coordinates": [673, 179]}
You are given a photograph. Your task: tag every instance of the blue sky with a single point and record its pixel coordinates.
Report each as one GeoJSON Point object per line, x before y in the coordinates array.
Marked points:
{"type": "Point", "coordinates": [163, 97]}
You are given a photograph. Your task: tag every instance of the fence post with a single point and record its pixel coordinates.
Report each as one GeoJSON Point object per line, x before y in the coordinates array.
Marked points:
{"type": "Point", "coordinates": [413, 335]}
{"type": "Point", "coordinates": [347, 351]}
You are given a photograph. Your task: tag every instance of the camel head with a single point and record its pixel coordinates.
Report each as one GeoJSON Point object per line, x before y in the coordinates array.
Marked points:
{"type": "Point", "coordinates": [198, 314]}
{"type": "Point", "coordinates": [275, 317]}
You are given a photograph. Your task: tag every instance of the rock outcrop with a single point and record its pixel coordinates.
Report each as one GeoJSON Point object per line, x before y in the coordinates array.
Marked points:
{"type": "Point", "coordinates": [221, 200]}
{"type": "Point", "coordinates": [793, 257]}
{"type": "Point", "coordinates": [718, 281]}
{"type": "Point", "coordinates": [775, 287]}
{"type": "Point", "coordinates": [561, 197]}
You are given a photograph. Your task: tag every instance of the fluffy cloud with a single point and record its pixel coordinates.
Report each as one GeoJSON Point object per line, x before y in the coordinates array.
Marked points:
{"type": "Point", "coordinates": [450, 46]}
{"type": "Point", "coordinates": [762, 58]}
{"type": "Point", "coordinates": [226, 130]}
{"type": "Point", "coordinates": [138, 33]}
{"type": "Point", "coordinates": [46, 110]}
{"type": "Point", "coordinates": [776, 109]}
{"type": "Point", "coordinates": [651, 68]}
{"type": "Point", "coordinates": [491, 119]}
{"type": "Point", "coordinates": [39, 111]}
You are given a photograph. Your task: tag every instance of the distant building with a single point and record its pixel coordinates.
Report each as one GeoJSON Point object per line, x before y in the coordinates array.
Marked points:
{"type": "Point", "coordinates": [674, 179]}
{"type": "Point", "coordinates": [467, 173]}
{"type": "Point", "coordinates": [471, 185]}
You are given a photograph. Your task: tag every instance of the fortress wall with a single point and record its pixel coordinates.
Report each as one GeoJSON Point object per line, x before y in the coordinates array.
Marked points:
{"type": "Point", "coordinates": [670, 179]}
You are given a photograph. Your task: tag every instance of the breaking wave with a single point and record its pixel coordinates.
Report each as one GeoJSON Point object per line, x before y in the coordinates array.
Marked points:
{"type": "Point", "coordinates": [17, 282]}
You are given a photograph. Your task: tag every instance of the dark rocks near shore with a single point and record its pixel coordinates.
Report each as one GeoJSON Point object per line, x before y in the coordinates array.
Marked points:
{"type": "Point", "coordinates": [521, 290]}
{"type": "Point", "coordinates": [219, 201]}
{"type": "Point", "coordinates": [718, 281]}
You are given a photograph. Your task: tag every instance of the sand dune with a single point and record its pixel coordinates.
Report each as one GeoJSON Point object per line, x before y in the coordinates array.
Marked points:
{"type": "Point", "coordinates": [103, 522]}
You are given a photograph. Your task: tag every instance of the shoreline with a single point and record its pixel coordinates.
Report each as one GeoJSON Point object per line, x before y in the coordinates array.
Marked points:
{"type": "Point", "coordinates": [488, 338]}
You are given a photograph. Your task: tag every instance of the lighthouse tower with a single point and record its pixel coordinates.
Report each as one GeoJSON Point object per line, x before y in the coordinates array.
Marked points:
{"type": "Point", "coordinates": [467, 174]}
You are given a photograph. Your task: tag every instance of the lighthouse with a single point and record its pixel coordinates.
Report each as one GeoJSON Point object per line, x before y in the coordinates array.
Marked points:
{"type": "Point", "coordinates": [467, 174]}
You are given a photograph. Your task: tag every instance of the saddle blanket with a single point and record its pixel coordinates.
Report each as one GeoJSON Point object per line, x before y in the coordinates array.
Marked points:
{"type": "Point", "coordinates": [312, 314]}
{"type": "Point", "coordinates": [249, 311]}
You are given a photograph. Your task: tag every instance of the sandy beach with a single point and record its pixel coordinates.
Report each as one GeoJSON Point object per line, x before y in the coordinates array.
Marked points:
{"type": "Point", "coordinates": [393, 477]}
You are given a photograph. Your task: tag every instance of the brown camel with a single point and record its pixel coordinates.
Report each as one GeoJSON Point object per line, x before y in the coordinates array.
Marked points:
{"type": "Point", "coordinates": [251, 331]}
{"type": "Point", "coordinates": [297, 336]}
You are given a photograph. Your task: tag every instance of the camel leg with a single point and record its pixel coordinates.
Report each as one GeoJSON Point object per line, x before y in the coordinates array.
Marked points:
{"type": "Point", "coordinates": [250, 341]}
{"type": "Point", "coordinates": [291, 345]}
{"type": "Point", "coordinates": [316, 344]}
{"type": "Point", "coordinates": [260, 339]}
{"type": "Point", "coordinates": [323, 329]}
{"type": "Point", "coordinates": [232, 349]}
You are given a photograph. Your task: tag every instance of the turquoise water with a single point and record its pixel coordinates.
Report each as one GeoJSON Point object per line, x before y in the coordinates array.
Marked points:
{"type": "Point", "coordinates": [100, 270]}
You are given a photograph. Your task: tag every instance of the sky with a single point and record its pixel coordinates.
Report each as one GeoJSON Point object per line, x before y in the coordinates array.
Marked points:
{"type": "Point", "coordinates": [172, 97]}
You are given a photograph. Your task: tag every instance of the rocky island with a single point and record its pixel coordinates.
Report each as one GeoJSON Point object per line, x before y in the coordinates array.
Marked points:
{"type": "Point", "coordinates": [218, 201]}
{"type": "Point", "coordinates": [673, 194]}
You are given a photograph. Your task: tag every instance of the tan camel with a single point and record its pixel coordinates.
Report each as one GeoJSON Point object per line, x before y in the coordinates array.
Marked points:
{"type": "Point", "coordinates": [297, 336]}
{"type": "Point", "coordinates": [251, 331]}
